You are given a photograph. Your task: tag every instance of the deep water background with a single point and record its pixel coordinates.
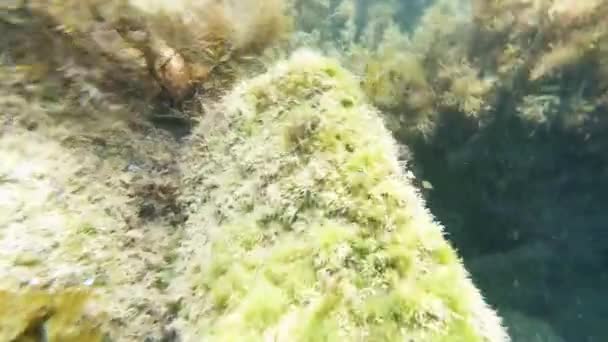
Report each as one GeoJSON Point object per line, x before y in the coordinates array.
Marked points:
{"type": "Point", "coordinates": [528, 214]}
{"type": "Point", "coordinates": [527, 208]}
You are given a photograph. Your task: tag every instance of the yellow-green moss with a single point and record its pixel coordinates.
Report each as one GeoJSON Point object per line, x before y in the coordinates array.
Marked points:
{"type": "Point", "coordinates": [64, 315]}
{"type": "Point", "coordinates": [303, 225]}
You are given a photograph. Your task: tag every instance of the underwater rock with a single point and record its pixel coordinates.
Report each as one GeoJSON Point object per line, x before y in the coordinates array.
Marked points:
{"type": "Point", "coordinates": [38, 315]}
{"type": "Point", "coordinates": [70, 265]}
{"type": "Point", "coordinates": [304, 226]}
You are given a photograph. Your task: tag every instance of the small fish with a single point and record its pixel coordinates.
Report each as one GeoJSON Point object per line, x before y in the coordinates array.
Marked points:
{"type": "Point", "coordinates": [427, 185]}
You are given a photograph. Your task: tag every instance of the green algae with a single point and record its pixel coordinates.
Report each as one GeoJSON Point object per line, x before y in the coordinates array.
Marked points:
{"type": "Point", "coordinates": [34, 315]}
{"type": "Point", "coordinates": [335, 243]}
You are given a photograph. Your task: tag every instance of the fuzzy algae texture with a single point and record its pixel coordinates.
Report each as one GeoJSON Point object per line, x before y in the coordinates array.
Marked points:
{"type": "Point", "coordinates": [304, 226]}
{"type": "Point", "coordinates": [75, 263]}
{"type": "Point", "coordinates": [37, 315]}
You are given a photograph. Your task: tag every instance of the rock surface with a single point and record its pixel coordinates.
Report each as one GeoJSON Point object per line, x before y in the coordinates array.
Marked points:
{"type": "Point", "coordinates": [304, 225]}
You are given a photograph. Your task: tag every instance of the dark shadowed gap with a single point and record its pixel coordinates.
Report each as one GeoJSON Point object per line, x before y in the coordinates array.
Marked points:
{"type": "Point", "coordinates": [526, 209]}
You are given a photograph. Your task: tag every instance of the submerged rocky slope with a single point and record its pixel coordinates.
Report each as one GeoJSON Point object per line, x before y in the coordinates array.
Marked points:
{"type": "Point", "coordinates": [304, 226]}
{"type": "Point", "coordinates": [107, 217]}
{"type": "Point", "coordinates": [300, 222]}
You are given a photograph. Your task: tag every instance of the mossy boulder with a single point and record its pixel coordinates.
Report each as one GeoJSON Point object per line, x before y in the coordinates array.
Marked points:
{"type": "Point", "coordinates": [305, 226]}
{"type": "Point", "coordinates": [76, 259]}
{"type": "Point", "coordinates": [41, 315]}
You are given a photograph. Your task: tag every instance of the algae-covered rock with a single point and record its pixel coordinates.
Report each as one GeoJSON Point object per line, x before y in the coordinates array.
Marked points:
{"type": "Point", "coordinates": [73, 178]}
{"type": "Point", "coordinates": [304, 226]}
{"type": "Point", "coordinates": [37, 315]}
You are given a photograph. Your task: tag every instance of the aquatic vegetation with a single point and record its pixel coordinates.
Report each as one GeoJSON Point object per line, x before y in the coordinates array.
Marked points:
{"type": "Point", "coordinates": [71, 192]}
{"type": "Point", "coordinates": [302, 224]}
{"type": "Point", "coordinates": [179, 44]}
{"type": "Point", "coordinates": [88, 193]}
{"type": "Point", "coordinates": [465, 91]}
{"type": "Point", "coordinates": [397, 82]}
{"type": "Point", "coordinates": [413, 76]}
{"type": "Point", "coordinates": [66, 315]}
{"type": "Point", "coordinates": [526, 45]}
{"type": "Point", "coordinates": [302, 220]}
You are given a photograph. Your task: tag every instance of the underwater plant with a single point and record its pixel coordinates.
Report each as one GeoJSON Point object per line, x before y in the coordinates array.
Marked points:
{"type": "Point", "coordinates": [180, 44]}
{"type": "Point", "coordinates": [302, 218]}
{"type": "Point", "coordinates": [527, 45]}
